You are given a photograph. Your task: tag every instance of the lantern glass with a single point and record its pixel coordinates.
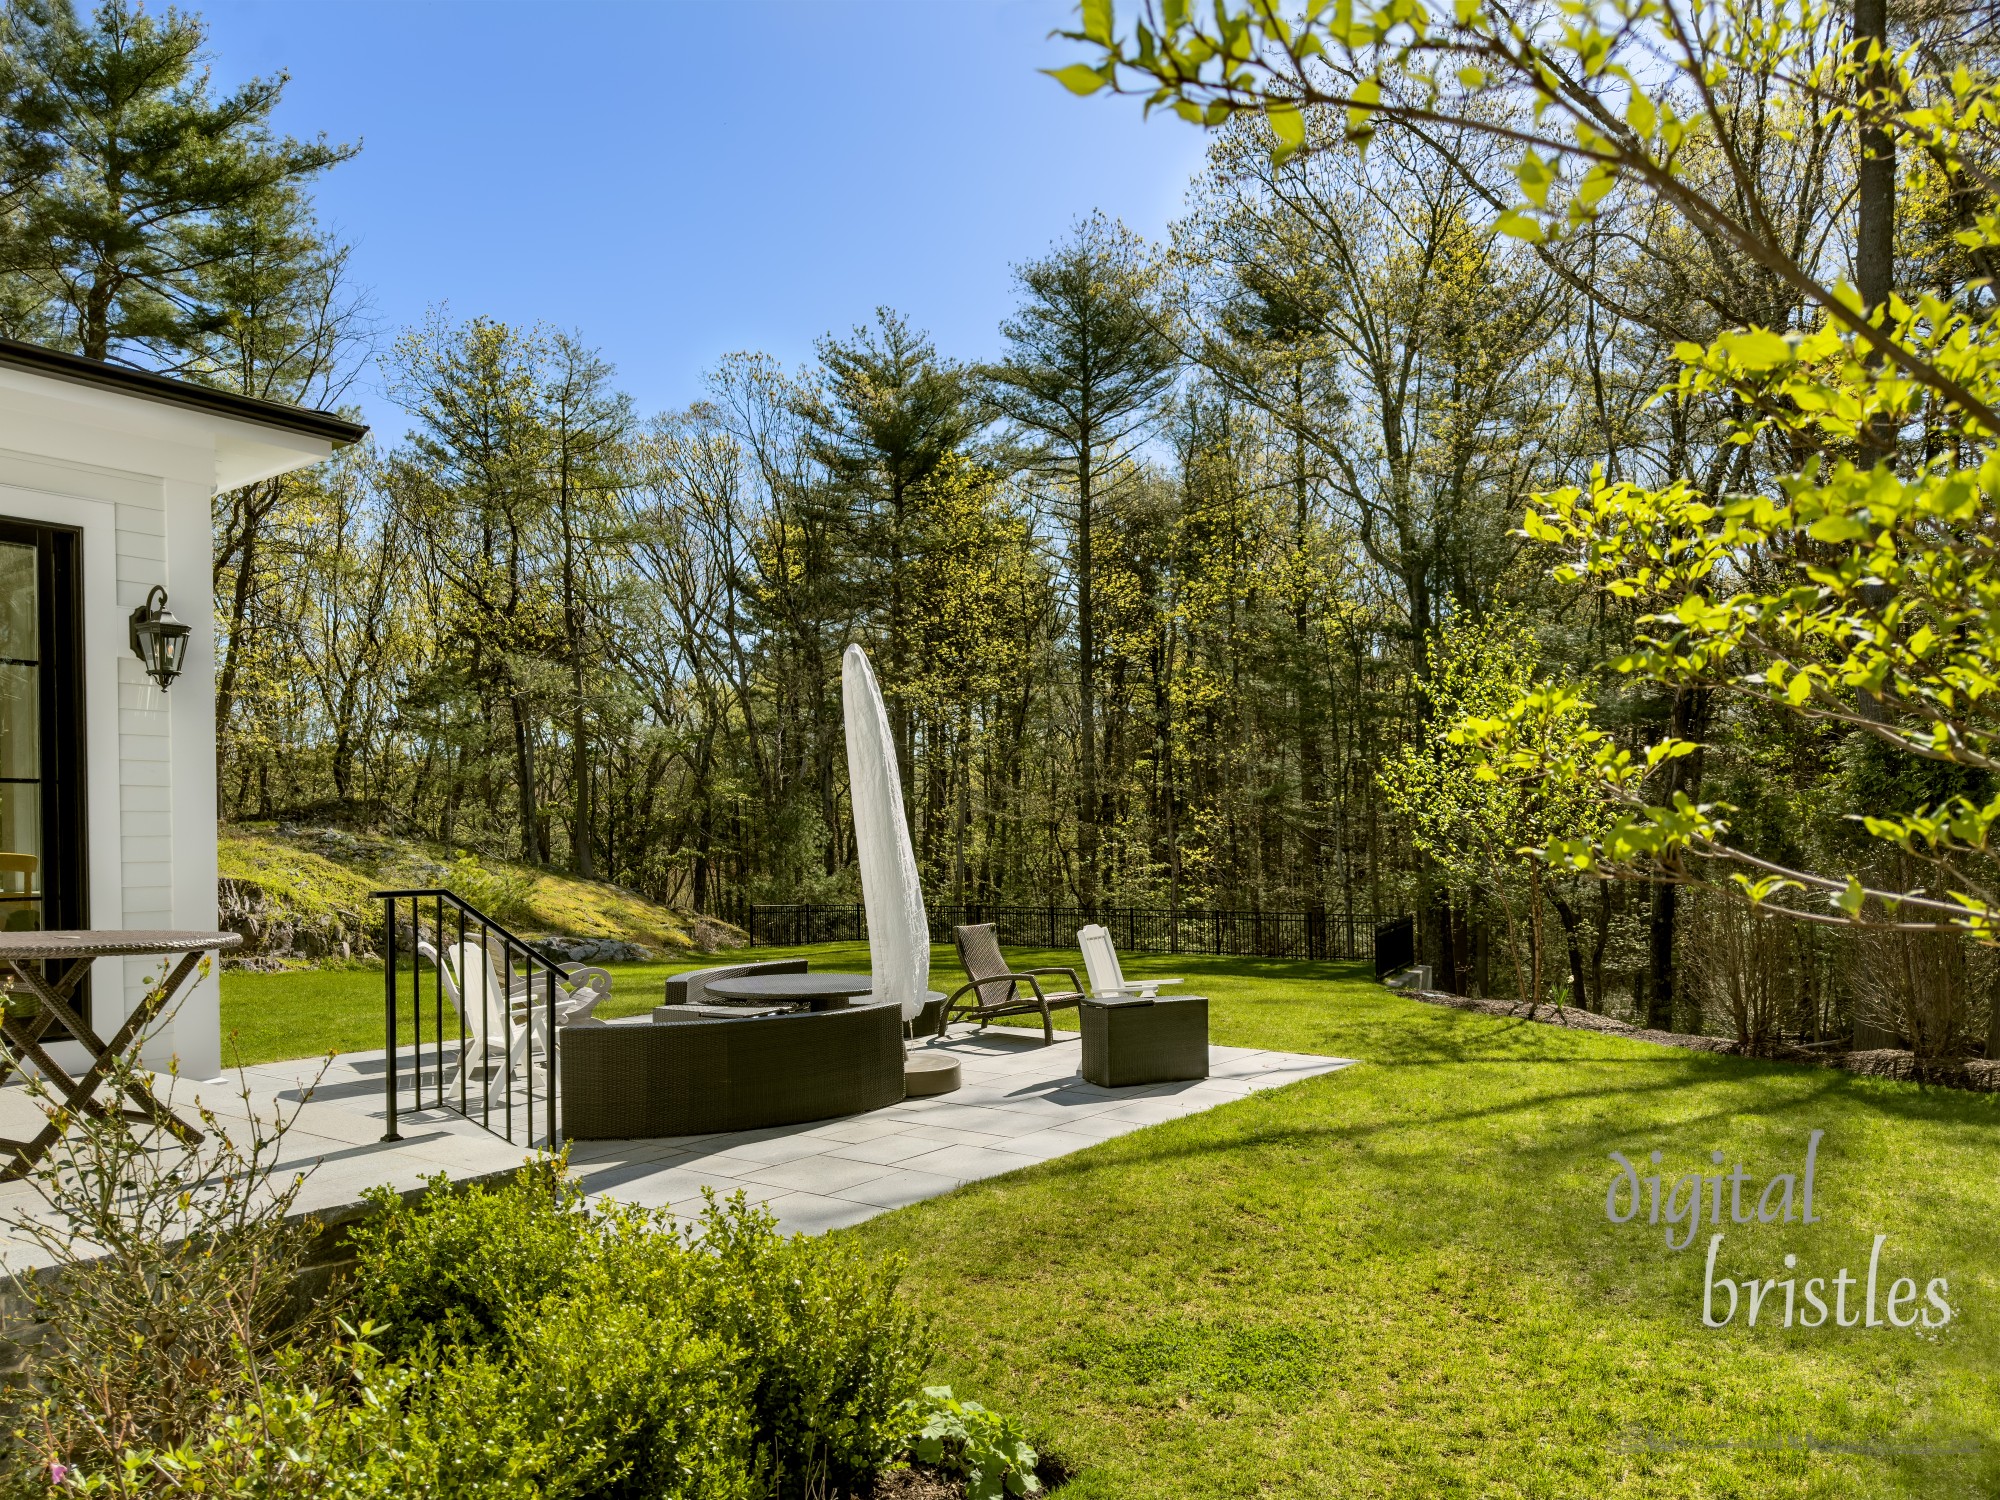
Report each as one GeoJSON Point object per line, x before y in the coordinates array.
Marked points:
{"type": "Point", "coordinates": [158, 639]}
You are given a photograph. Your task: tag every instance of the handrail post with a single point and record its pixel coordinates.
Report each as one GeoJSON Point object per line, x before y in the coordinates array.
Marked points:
{"type": "Point", "coordinates": [389, 1014]}
{"type": "Point", "coordinates": [550, 1064]}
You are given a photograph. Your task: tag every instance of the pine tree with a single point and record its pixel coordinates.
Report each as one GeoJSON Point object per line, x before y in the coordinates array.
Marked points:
{"type": "Point", "coordinates": [153, 185]}
{"type": "Point", "coordinates": [885, 413]}
{"type": "Point", "coordinates": [1088, 361]}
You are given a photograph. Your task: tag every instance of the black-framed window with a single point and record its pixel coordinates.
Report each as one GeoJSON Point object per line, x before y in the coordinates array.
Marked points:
{"type": "Point", "coordinates": [42, 838]}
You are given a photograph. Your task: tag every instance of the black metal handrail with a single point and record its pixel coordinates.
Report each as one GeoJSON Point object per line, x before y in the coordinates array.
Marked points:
{"type": "Point", "coordinates": [451, 914]}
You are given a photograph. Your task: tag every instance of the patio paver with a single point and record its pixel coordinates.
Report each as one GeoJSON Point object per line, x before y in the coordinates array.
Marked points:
{"type": "Point", "coordinates": [1021, 1103]}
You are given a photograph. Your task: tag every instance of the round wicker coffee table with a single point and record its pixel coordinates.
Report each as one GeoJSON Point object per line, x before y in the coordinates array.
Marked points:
{"type": "Point", "coordinates": [820, 991]}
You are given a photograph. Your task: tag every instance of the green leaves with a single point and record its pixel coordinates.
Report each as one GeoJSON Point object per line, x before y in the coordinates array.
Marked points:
{"type": "Point", "coordinates": [1288, 124]}
{"type": "Point", "coordinates": [1365, 96]}
{"type": "Point", "coordinates": [988, 1450]}
{"type": "Point", "coordinates": [1640, 114]}
{"type": "Point", "coordinates": [1755, 351]}
{"type": "Point", "coordinates": [1535, 176]}
{"type": "Point", "coordinates": [1080, 78]}
{"type": "Point", "coordinates": [1837, 529]}
{"type": "Point", "coordinates": [1852, 897]}
{"type": "Point", "coordinates": [1879, 607]}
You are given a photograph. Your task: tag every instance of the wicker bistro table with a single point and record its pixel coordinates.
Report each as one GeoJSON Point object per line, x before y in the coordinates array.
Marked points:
{"type": "Point", "coordinates": [1159, 1040]}
{"type": "Point", "coordinates": [22, 954]}
{"type": "Point", "coordinates": [816, 991]}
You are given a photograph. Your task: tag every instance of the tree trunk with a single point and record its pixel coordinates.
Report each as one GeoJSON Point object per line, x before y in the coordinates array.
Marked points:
{"type": "Point", "coordinates": [1660, 987]}
{"type": "Point", "coordinates": [524, 779]}
{"type": "Point", "coordinates": [1312, 770]}
{"type": "Point", "coordinates": [256, 506]}
{"type": "Point", "coordinates": [1572, 930]}
{"type": "Point", "coordinates": [582, 852]}
{"type": "Point", "coordinates": [95, 334]}
{"type": "Point", "coordinates": [1875, 198]}
{"type": "Point", "coordinates": [1086, 697]}
{"type": "Point", "coordinates": [1875, 240]}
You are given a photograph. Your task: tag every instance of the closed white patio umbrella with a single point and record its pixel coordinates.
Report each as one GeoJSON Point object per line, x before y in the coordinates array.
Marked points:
{"type": "Point", "coordinates": [899, 938]}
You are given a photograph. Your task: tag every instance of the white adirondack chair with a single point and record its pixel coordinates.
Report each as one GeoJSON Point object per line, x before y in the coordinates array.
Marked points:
{"type": "Point", "coordinates": [496, 1025]}
{"type": "Point", "coordinates": [1107, 979]}
{"type": "Point", "coordinates": [493, 1028]}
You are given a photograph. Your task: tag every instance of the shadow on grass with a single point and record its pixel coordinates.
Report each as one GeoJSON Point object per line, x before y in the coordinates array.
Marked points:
{"type": "Point", "coordinates": [1817, 1100]}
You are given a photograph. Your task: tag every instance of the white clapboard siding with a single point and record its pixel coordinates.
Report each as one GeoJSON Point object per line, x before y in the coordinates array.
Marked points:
{"type": "Point", "coordinates": [134, 474]}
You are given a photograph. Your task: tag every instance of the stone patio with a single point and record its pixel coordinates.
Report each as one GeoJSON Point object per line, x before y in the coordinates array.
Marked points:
{"type": "Point", "coordinates": [1021, 1102]}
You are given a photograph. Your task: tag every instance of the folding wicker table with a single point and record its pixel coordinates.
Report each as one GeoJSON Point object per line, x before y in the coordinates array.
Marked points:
{"type": "Point", "coordinates": [22, 955]}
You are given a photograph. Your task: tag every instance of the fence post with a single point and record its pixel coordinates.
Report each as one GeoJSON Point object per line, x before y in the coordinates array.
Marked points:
{"type": "Point", "coordinates": [1307, 934]}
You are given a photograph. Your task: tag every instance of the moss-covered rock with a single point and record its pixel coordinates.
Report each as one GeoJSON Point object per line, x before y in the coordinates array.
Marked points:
{"type": "Point", "coordinates": [302, 895]}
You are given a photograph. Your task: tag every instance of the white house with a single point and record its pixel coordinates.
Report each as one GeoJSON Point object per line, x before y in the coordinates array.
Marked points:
{"type": "Point", "coordinates": [107, 780]}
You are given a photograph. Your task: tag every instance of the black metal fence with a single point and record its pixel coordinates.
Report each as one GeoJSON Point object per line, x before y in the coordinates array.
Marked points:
{"type": "Point", "coordinates": [475, 1031]}
{"type": "Point", "coordinates": [1248, 934]}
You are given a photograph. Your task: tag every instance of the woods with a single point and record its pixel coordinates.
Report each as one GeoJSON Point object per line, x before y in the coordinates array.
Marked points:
{"type": "Point", "coordinates": [1186, 593]}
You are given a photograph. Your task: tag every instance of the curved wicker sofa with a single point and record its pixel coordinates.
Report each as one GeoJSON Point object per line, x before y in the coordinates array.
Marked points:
{"type": "Point", "coordinates": [626, 1080]}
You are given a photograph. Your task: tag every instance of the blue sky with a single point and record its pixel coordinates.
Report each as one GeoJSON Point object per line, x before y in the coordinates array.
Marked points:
{"type": "Point", "coordinates": [679, 180]}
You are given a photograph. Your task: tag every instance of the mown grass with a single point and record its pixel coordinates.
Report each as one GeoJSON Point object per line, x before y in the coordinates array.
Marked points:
{"type": "Point", "coordinates": [1399, 1280]}
{"type": "Point", "coordinates": [308, 1012]}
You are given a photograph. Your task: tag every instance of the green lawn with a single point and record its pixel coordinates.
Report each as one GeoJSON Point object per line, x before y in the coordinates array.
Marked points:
{"type": "Point", "coordinates": [1399, 1280]}
{"type": "Point", "coordinates": [309, 1012]}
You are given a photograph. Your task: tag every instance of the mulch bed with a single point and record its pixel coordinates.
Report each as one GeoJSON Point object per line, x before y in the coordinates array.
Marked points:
{"type": "Point", "coordinates": [1982, 1075]}
{"type": "Point", "coordinates": [920, 1483]}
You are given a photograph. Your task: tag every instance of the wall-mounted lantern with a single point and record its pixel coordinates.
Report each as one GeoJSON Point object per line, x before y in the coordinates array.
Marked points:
{"type": "Point", "coordinates": [158, 639]}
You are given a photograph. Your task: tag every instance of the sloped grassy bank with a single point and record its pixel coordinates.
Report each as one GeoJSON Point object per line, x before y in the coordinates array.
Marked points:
{"type": "Point", "coordinates": [300, 895]}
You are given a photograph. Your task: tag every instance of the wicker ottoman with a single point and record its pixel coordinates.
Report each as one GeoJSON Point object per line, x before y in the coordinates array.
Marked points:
{"type": "Point", "coordinates": [1145, 1041]}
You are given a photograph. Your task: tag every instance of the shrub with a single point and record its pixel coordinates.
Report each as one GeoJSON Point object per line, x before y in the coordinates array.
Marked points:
{"type": "Point", "coordinates": [600, 1398]}
{"type": "Point", "coordinates": [502, 894]}
{"type": "Point", "coordinates": [1927, 988]}
{"type": "Point", "coordinates": [592, 1406]}
{"type": "Point", "coordinates": [988, 1450]}
{"type": "Point", "coordinates": [518, 1343]}
{"type": "Point", "coordinates": [455, 1264]}
{"type": "Point", "coordinates": [832, 1358]}
{"type": "Point", "coordinates": [171, 1287]}
{"type": "Point", "coordinates": [822, 1357]}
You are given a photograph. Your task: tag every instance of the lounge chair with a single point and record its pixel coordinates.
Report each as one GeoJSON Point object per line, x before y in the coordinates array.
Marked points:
{"type": "Point", "coordinates": [995, 986]}
{"type": "Point", "coordinates": [1107, 979]}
